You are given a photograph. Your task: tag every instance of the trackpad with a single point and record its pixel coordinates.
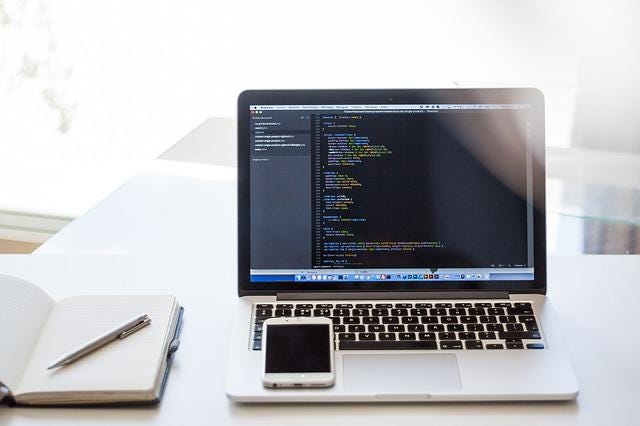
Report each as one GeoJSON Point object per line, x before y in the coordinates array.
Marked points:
{"type": "Point", "coordinates": [401, 373]}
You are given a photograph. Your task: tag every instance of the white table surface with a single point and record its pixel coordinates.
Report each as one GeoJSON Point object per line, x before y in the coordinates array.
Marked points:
{"type": "Point", "coordinates": [584, 289]}
{"type": "Point", "coordinates": [158, 213]}
{"type": "Point", "coordinates": [177, 234]}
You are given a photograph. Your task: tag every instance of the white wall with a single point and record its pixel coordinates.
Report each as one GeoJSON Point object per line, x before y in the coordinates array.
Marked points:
{"type": "Point", "coordinates": [132, 77]}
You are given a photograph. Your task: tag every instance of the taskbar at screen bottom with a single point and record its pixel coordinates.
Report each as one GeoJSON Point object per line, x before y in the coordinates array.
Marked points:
{"type": "Point", "coordinates": [337, 277]}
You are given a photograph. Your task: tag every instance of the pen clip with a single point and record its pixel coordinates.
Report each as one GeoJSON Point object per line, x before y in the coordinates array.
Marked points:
{"type": "Point", "coordinates": [146, 321]}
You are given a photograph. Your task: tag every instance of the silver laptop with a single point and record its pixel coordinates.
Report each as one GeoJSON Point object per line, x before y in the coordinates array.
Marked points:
{"type": "Point", "coordinates": [415, 220]}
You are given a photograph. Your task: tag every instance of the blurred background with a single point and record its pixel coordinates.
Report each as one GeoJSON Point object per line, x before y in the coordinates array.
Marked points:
{"type": "Point", "coordinates": [90, 91]}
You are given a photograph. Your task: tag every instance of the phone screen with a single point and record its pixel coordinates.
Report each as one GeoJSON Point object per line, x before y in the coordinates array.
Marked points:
{"type": "Point", "coordinates": [296, 348]}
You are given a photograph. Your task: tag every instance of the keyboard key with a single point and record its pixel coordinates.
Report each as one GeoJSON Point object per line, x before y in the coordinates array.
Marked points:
{"type": "Point", "coordinates": [322, 312]}
{"type": "Point", "coordinates": [264, 313]}
{"type": "Point", "coordinates": [488, 319]}
{"type": "Point", "coordinates": [284, 306]}
{"type": "Point", "coordinates": [473, 344]}
{"type": "Point", "coordinates": [344, 306]}
{"type": "Point", "coordinates": [410, 320]}
{"type": "Point", "coordinates": [364, 305]}
{"type": "Point", "coordinates": [468, 319]}
{"type": "Point", "coordinates": [304, 306]}
{"type": "Point", "coordinates": [522, 305]}
{"type": "Point", "coordinates": [257, 336]}
{"type": "Point", "coordinates": [519, 311]}
{"type": "Point", "coordinates": [259, 320]}
{"type": "Point", "coordinates": [443, 305]}
{"type": "Point", "coordinates": [514, 345]}
{"type": "Point", "coordinates": [531, 326]}
{"type": "Point", "coordinates": [404, 305]}
{"type": "Point", "coordinates": [387, 336]}
{"type": "Point", "coordinates": [339, 329]}
{"type": "Point", "coordinates": [519, 335]}
{"type": "Point", "coordinates": [494, 327]}
{"type": "Point", "coordinates": [423, 305]}
{"type": "Point", "coordinates": [351, 320]}
{"type": "Point", "coordinates": [356, 328]}
{"type": "Point", "coordinates": [535, 346]}
{"type": "Point", "coordinates": [467, 335]}
{"type": "Point", "coordinates": [335, 320]}
{"type": "Point", "coordinates": [435, 327]}
{"type": "Point", "coordinates": [502, 305]}
{"type": "Point", "coordinates": [527, 319]}
{"type": "Point", "coordinates": [264, 306]}
{"type": "Point", "coordinates": [399, 312]}
{"type": "Point", "coordinates": [514, 327]}
{"type": "Point", "coordinates": [450, 344]}
{"type": "Point", "coordinates": [476, 311]}
{"type": "Point", "coordinates": [494, 346]}
{"type": "Point", "coordinates": [258, 328]}
{"type": "Point", "coordinates": [390, 320]}
{"type": "Point", "coordinates": [475, 327]}
{"type": "Point", "coordinates": [302, 313]}
{"type": "Point", "coordinates": [384, 305]}
{"type": "Point", "coordinates": [375, 328]}
{"type": "Point", "coordinates": [257, 345]}
{"type": "Point", "coordinates": [380, 312]}
{"type": "Point", "coordinates": [407, 336]}
{"type": "Point", "coordinates": [341, 312]}
{"type": "Point", "coordinates": [429, 320]}
{"type": "Point", "coordinates": [346, 336]}
{"type": "Point", "coordinates": [324, 305]}
{"type": "Point", "coordinates": [427, 336]}
{"type": "Point", "coordinates": [370, 320]}
{"type": "Point", "coordinates": [360, 312]}
{"type": "Point", "coordinates": [448, 320]}
{"type": "Point", "coordinates": [418, 312]}
{"type": "Point", "coordinates": [415, 327]}
{"type": "Point", "coordinates": [482, 305]}
{"type": "Point", "coordinates": [507, 318]}
{"type": "Point", "coordinates": [395, 345]}
{"type": "Point", "coordinates": [455, 327]}
{"type": "Point", "coordinates": [487, 335]}
{"type": "Point", "coordinates": [438, 311]}
{"type": "Point", "coordinates": [462, 305]}
{"type": "Point", "coordinates": [495, 311]}
{"type": "Point", "coordinates": [457, 311]}
{"type": "Point", "coordinates": [283, 312]}
{"type": "Point", "coordinates": [366, 336]}
{"type": "Point", "coordinates": [395, 328]}
{"type": "Point", "coordinates": [446, 336]}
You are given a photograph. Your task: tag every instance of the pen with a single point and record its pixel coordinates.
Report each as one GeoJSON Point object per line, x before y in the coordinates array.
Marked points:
{"type": "Point", "coordinates": [120, 332]}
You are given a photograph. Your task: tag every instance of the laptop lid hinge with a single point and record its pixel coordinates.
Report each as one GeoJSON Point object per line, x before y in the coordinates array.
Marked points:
{"type": "Point", "coordinates": [395, 295]}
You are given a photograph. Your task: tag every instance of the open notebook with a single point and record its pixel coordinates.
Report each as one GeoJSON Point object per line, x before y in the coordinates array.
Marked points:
{"type": "Point", "coordinates": [35, 330]}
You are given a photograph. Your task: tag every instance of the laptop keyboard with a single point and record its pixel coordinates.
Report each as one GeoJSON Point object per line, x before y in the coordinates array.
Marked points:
{"type": "Point", "coordinates": [451, 325]}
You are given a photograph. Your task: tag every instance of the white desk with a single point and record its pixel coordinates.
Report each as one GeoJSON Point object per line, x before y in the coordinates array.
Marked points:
{"type": "Point", "coordinates": [155, 215]}
{"type": "Point", "coordinates": [158, 213]}
{"type": "Point", "coordinates": [605, 361]}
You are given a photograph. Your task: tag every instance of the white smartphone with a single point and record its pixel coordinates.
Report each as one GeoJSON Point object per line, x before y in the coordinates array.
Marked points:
{"type": "Point", "coordinates": [298, 353]}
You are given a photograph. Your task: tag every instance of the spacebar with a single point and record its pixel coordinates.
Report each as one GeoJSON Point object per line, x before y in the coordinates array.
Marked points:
{"type": "Point", "coordinates": [364, 345]}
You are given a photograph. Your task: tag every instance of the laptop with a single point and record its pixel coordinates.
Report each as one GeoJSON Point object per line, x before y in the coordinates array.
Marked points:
{"type": "Point", "coordinates": [415, 220]}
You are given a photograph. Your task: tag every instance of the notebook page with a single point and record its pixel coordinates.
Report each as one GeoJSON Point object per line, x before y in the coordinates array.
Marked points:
{"type": "Point", "coordinates": [130, 364]}
{"type": "Point", "coordinates": [24, 309]}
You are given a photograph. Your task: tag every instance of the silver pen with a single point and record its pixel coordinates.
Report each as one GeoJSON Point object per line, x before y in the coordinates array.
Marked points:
{"type": "Point", "coordinates": [119, 332]}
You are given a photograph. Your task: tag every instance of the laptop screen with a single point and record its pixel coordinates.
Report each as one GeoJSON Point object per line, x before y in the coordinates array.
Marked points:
{"type": "Point", "coordinates": [390, 192]}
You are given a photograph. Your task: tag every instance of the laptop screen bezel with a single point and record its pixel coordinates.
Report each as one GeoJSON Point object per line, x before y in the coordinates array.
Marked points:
{"type": "Point", "coordinates": [401, 96]}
